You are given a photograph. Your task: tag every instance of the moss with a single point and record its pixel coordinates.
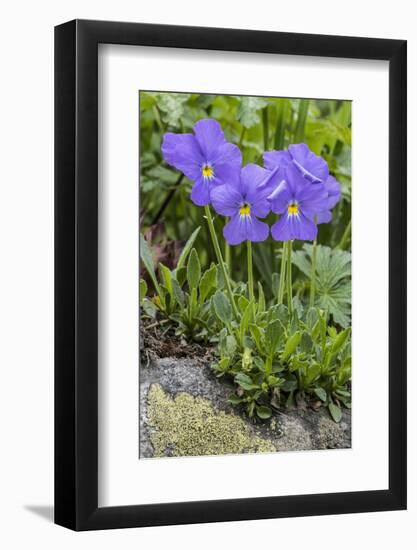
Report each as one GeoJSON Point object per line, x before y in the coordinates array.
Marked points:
{"type": "Point", "coordinates": [190, 426]}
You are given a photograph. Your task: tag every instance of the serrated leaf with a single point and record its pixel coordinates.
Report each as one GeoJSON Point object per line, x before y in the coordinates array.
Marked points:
{"type": "Point", "coordinates": [333, 279]}
{"type": "Point", "coordinates": [171, 106]}
{"type": "Point", "coordinates": [248, 110]}
{"type": "Point", "coordinates": [193, 270]}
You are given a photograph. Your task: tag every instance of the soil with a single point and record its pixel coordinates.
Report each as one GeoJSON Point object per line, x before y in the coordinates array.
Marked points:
{"type": "Point", "coordinates": [184, 408]}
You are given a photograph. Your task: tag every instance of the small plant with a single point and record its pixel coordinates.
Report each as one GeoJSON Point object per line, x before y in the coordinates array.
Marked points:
{"type": "Point", "coordinates": [295, 348]}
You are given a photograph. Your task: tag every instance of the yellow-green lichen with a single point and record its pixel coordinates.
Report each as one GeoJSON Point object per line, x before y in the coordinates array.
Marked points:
{"type": "Point", "coordinates": [190, 426]}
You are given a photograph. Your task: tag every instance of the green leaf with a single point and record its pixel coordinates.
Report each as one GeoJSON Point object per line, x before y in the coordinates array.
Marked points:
{"type": "Point", "coordinates": [193, 270]}
{"type": "Point", "coordinates": [222, 308]}
{"type": "Point", "coordinates": [181, 275]}
{"type": "Point", "coordinates": [340, 341]}
{"type": "Point", "coordinates": [335, 411]}
{"type": "Point", "coordinates": [245, 382]}
{"type": "Point", "coordinates": [273, 335]}
{"type": "Point", "coordinates": [178, 292]}
{"type": "Point", "coordinates": [257, 335]}
{"type": "Point", "coordinates": [187, 248]}
{"type": "Point", "coordinates": [333, 279]}
{"type": "Point", "coordinates": [261, 298]}
{"type": "Point", "coordinates": [263, 412]}
{"type": "Point", "coordinates": [321, 394]}
{"type": "Point", "coordinates": [234, 399]}
{"type": "Point", "coordinates": [313, 372]}
{"type": "Point", "coordinates": [171, 106]}
{"type": "Point", "coordinates": [242, 303]}
{"type": "Point", "coordinates": [306, 343]}
{"type": "Point", "coordinates": [247, 112]}
{"type": "Point", "coordinates": [147, 260]}
{"type": "Point", "coordinates": [143, 289]}
{"type": "Point", "coordinates": [166, 277]}
{"type": "Point", "coordinates": [208, 282]}
{"type": "Point", "coordinates": [245, 320]}
{"type": "Point", "coordinates": [291, 344]}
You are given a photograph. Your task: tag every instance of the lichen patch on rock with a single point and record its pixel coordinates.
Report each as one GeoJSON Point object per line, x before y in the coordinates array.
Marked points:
{"type": "Point", "coordinates": [185, 425]}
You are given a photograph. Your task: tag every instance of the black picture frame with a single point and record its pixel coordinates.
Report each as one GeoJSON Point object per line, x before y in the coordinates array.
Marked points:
{"type": "Point", "coordinates": [76, 271]}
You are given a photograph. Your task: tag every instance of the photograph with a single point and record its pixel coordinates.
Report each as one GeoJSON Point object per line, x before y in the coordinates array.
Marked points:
{"type": "Point", "coordinates": [245, 274]}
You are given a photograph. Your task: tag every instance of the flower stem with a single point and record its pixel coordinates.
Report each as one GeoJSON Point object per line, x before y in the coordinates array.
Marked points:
{"type": "Point", "coordinates": [289, 276]}
{"type": "Point", "coordinates": [265, 125]}
{"type": "Point", "coordinates": [220, 260]}
{"type": "Point", "coordinates": [313, 273]}
{"type": "Point", "coordinates": [301, 120]}
{"type": "Point", "coordinates": [281, 288]}
{"type": "Point", "coordinates": [227, 256]}
{"type": "Point", "coordinates": [345, 237]}
{"type": "Point", "coordinates": [313, 269]}
{"type": "Point", "coordinates": [250, 272]}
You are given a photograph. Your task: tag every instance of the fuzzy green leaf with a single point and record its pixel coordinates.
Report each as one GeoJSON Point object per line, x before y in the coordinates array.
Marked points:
{"type": "Point", "coordinates": [335, 411]}
{"type": "Point", "coordinates": [291, 344]}
{"type": "Point", "coordinates": [193, 270]}
{"type": "Point", "coordinates": [222, 308]}
{"type": "Point", "coordinates": [208, 282]}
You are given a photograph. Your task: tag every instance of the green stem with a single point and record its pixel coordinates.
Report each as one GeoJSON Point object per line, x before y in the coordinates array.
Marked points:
{"type": "Point", "coordinates": [313, 274]}
{"type": "Point", "coordinates": [265, 124]}
{"type": "Point", "coordinates": [220, 260]}
{"type": "Point", "coordinates": [227, 251]}
{"type": "Point", "coordinates": [281, 288]}
{"type": "Point", "coordinates": [345, 237]}
{"type": "Point", "coordinates": [250, 272]}
{"type": "Point", "coordinates": [313, 268]}
{"type": "Point", "coordinates": [280, 127]}
{"type": "Point", "coordinates": [301, 120]}
{"type": "Point", "coordinates": [242, 135]}
{"type": "Point", "coordinates": [289, 276]}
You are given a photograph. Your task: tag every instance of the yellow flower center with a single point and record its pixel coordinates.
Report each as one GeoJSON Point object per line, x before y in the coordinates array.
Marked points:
{"type": "Point", "coordinates": [245, 209]}
{"type": "Point", "coordinates": [207, 171]}
{"type": "Point", "coordinates": [293, 209]}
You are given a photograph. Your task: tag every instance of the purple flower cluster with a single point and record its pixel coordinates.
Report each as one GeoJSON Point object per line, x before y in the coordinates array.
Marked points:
{"type": "Point", "coordinates": [295, 184]}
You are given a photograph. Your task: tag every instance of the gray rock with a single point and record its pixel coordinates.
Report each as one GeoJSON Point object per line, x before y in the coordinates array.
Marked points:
{"type": "Point", "coordinates": [192, 378]}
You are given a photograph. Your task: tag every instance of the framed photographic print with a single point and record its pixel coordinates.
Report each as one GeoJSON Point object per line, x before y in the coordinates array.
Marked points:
{"type": "Point", "coordinates": [230, 275]}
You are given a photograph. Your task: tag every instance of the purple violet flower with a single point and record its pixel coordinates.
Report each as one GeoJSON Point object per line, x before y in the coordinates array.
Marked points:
{"type": "Point", "coordinates": [205, 157]}
{"type": "Point", "coordinates": [298, 201]}
{"type": "Point", "coordinates": [244, 203]}
{"type": "Point", "coordinates": [313, 168]}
